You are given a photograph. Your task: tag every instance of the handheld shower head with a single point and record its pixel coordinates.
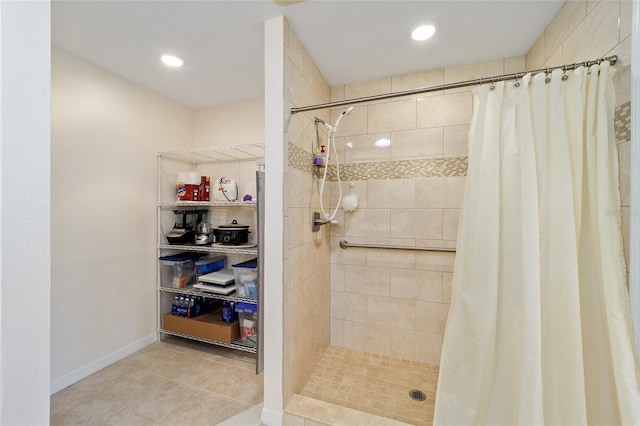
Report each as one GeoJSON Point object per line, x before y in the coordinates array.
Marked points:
{"type": "Point", "coordinates": [345, 112]}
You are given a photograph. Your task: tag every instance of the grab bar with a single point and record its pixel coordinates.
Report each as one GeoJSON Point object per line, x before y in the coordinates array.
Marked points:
{"type": "Point", "coordinates": [344, 244]}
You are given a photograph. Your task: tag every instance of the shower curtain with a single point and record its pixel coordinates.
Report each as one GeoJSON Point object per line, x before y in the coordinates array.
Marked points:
{"type": "Point", "coordinates": [539, 330]}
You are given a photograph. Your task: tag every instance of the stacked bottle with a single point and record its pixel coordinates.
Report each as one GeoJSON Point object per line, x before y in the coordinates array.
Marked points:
{"type": "Point", "coordinates": [187, 306]}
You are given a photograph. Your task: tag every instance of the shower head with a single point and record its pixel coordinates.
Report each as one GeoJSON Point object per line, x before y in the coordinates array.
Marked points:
{"type": "Point", "coordinates": [345, 112]}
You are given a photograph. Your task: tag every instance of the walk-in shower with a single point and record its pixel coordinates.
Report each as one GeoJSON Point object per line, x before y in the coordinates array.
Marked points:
{"type": "Point", "coordinates": [390, 299]}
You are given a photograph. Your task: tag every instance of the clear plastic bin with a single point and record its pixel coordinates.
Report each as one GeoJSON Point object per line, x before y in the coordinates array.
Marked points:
{"type": "Point", "coordinates": [248, 320]}
{"type": "Point", "coordinates": [246, 276]}
{"type": "Point", "coordinates": [178, 271]}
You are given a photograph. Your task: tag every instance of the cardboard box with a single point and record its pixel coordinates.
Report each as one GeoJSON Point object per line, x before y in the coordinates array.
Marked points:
{"type": "Point", "coordinates": [207, 326]}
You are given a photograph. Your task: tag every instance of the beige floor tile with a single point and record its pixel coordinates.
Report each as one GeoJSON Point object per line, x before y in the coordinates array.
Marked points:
{"type": "Point", "coordinates": [241, 385]}
{"type": "Point", "coordinates": [238, 359]}
{"type": "Point", "coordinates": [308, 422]}
{"type": "Point", "coordinates": [168, 382]}
{"type": "Point", "coordinates": [188, 371]}
{"type": "Point", "coordinates": [67, 399]}
{"type": "Point", "coordinates": [203, 408]}
{"type": "Point", "coordinates": [147, 394]}
{"type": "Point", "coordinates": [98, 412]}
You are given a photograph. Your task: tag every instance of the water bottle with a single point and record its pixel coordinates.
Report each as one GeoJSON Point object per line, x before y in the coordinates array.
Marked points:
{"type": "Point", "coordinates": [192, 307]}
{"type": "Point", "coordinates": [182, 308]}
{"type": "Point", "coordinates": [198, 305]}
{"type": "Point", "coordinates": [174, 307]}
{"type": "Point", "coordinates": [228, 312]}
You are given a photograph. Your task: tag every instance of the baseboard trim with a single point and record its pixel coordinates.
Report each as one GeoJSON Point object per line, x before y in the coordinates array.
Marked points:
{"type": "Point", "coordinates": [82, 372]}
{"type": "Point", "coordinates": [271, 417]}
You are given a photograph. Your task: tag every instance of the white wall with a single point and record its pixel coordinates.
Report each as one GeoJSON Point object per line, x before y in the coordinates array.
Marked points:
{"type": "Point", "coordinates": [234, 124]}
{"type": "Point", "coordinates": [106, 132]}
{"type": "Point", "coordinates": [24, 212]}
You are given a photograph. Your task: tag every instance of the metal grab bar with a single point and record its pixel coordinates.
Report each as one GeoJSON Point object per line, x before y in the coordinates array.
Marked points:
{"type": "Point", "coordinates": [344, 244]}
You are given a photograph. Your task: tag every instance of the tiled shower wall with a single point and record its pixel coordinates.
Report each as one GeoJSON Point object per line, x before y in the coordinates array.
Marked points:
{"type": "Point", "coordinates": [584, 30]}
{"type": "Point", "coordinates": [406, 161]}
{"type": "Point", "coordinates": [307, 269]}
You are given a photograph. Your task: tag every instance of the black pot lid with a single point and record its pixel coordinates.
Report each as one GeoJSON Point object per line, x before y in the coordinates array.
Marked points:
{"type": "Point", "coordinates": [234, 226]}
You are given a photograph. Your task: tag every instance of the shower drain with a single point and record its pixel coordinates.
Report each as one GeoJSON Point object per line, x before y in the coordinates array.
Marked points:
{"type": "Point", "coordinates": [417, 395]}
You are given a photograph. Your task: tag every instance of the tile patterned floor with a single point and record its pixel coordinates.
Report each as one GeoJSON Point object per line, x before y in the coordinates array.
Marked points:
{"type": "Point", "coordinates": [173, 382]}
{"type": "Point", "coordinates": [374, 384]}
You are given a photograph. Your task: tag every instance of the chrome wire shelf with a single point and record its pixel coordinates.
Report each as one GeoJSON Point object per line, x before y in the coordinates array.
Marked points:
{"type": "Point", "coordinates": [196, 292]}
{"type": "Point", "coordinates": [221, 155]}
{"type": "Point", "coordinates": [207, 204]}
{"type": "Point", "coordinates": [210, 249]}
{"type": "Point", "coordinates": [238, 344]}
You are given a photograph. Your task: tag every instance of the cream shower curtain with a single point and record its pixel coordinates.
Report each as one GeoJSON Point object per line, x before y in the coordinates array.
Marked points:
{"type": "Point", "coordinates": [539, 330]}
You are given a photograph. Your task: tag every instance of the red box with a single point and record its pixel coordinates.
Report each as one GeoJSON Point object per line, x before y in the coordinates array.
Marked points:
{"type": "Point", "coordinates": [194, 190]}
{"type": "Point", "coordinates": [183, 192]}
{"type": "Point", "coordinates": [205, 184]}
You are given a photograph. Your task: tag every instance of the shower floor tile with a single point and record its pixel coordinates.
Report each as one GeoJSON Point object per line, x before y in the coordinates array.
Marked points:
{"type": "Point", "coordinates": [374, 384]}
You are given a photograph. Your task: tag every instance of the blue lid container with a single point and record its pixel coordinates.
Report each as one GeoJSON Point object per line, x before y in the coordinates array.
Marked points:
{"type": "Point", "coordinates": [252, 264]}
{"type": "Point", "coordinates": [181, 257]}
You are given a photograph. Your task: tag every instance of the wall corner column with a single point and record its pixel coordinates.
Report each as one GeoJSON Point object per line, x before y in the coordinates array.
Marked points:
{"type": "Point", "coordinates": [274, 217]}
{"type": "Point", "coordinates": [634, 220]}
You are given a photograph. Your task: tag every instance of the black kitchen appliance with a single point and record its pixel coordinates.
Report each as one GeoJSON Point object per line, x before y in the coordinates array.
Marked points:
{"type": "Point", "coordinates": [233, 233]}
{"type": "Point", "coordinates": [184, 229]}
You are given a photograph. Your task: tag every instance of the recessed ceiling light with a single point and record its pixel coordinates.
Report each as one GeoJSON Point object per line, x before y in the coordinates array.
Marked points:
{"type": "Point", "coordinates": [172, 61]}
{"type": "Point", "coordinates": [423, 31]}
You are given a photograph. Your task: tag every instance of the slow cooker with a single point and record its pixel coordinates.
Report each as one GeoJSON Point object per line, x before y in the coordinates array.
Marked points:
{"type": "Point", "coordinates": [233, 233]}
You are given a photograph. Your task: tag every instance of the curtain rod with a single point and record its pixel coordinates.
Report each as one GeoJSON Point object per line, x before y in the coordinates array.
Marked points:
{"type": "Point", "coordinates": [513, 76]}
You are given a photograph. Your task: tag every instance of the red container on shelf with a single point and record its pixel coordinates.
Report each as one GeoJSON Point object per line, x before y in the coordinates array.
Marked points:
{"type": "Point", "coordinates": [182, 192]}
{"type": "Point", "coordinates": [188, 186]}
{"type": "Point", "coordinates": [194, 189]}
{"type": "Point", "coordinates": [205, 183]}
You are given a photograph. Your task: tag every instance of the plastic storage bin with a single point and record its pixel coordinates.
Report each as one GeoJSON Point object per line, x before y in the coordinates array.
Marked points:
{"type": "Point", "coordinates": [248, 319]}
{"type": "Point", "coordinates": [210, 264]}
{"type": "Point", "coordinates": [178, 270]}
{"type": "Point", "coordinates": [246, 276]}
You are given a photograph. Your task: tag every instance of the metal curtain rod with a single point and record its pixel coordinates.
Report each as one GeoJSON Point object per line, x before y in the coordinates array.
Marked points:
{"type": "Point", "coordinates": [344, 244]}
{"type": "Point", "coordinates": [513, 76]}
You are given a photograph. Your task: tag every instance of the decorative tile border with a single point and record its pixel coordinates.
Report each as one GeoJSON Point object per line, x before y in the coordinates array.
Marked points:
{"type": "Point", "coordinates": [299, 159]}
{"type": "Point", "coordinates": [622, 123]}
{"type": "Point", "coordinates": [402, 169]}
{"type": "Point", "coordinates": [399, 169]}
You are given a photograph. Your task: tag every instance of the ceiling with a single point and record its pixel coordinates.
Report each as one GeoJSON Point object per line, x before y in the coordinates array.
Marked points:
{"type": "Point", "coordinates": [222, 42]}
